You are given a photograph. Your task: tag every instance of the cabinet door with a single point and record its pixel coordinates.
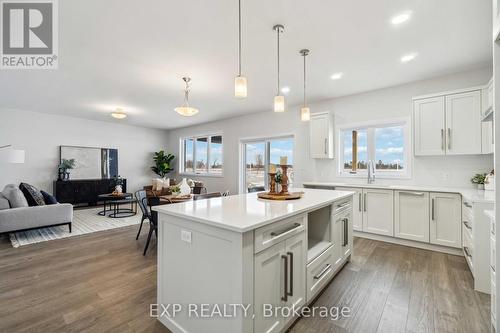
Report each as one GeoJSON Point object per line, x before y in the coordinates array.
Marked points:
{"type": "Point", "coordinates": [347, 238]}
{"type": "Point", "coordinates": [446, 215]}
{"type": "Point", "coordinates": [463, 123]}
{"type": "Point", "coordinates": [337, 237]}
{"type": "Point", "coordinates": [378, 211]}
{"type": "Point", "coordinates": [269, 287]}
{"type": "Point", "coordinates": [357, 207]}
{"type": "Point", "coordinates": [429, 126]}
{"type": "Point", "coordinates": [296, 251]}
{"type": "Point", "coordinates": [411, 215]}
{"type": "Point", "coordinates": [321, 136]}
{"type": "Point", "coordinates": [487, 146]}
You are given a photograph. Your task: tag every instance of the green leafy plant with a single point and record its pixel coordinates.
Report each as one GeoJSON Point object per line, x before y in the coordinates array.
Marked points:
{"type": "Point", "coordinates": [278, 177]}
{"type": "Point", "coordinates": [67, 164]}
{"type": "Point", "coordinates": [175, 189]}
{"type": "Point", "coordinates": [478, 178]}
{"type": "Point", "coordinates": [118, 180]}
{"type": "Point", "coordinates": [162, 163]}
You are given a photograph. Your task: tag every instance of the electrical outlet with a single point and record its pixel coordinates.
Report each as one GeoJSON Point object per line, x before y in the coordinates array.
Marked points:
{"type": "Point", "coordinates": [186, 236]}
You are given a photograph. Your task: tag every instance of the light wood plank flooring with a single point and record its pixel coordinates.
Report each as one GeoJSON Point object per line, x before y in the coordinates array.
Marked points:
{"type": "Point", "coordinates": [102, 283]}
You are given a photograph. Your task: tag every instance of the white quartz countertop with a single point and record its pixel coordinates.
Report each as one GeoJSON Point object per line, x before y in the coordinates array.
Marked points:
{"type": "Point", "coordinates": [245, 212]}
{"type": "Point", "coordinates": [468, 194]}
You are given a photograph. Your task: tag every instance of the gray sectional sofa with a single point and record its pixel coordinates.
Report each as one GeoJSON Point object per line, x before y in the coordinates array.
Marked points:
{"type": "Point", "coordinates": [17, 215]}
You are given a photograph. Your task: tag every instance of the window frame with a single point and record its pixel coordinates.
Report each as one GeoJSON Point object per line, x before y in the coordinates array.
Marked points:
{"type": "Point", "coordinates": [209, 148]}
{"type": "Point", "coordinates": [370, 127]}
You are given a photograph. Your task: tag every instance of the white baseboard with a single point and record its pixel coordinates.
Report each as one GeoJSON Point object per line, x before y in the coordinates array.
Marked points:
{"type": "Point", "coordinates": [406, 242]}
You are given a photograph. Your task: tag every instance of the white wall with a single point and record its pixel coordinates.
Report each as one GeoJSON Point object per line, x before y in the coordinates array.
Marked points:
{"type": "Point", "coordinates": [40, 135]}
{"type": "Point", "coordinates": [381, 104]}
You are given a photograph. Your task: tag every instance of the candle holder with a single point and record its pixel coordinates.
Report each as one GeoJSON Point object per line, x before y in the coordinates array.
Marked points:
{"type": "Point", "coordinates": [284, 180]}
{"type": "Point", "coordinates": [272, 183]}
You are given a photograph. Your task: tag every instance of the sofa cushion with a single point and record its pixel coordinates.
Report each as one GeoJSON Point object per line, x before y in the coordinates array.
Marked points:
{"type": "Point", "coordinates": [4, 203]}
{"type": "Point", "coordinates": [48, 198]}
{"type": "Point", "coordinates": [16, 198]}
{"type": "Point", "coordinates": [32, 194]}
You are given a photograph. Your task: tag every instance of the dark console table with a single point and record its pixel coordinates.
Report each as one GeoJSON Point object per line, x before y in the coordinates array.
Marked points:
{"type": "Point", "coordinates": [84, 191]}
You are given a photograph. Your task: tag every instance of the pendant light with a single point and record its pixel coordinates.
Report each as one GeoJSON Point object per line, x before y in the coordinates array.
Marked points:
{"type": "Point", "coordinates": [240, 82]}
{"type": "Point", "coordinates": [119, 114]}
{"type": "Point", "coordinates": [305, 112]}
{"type": "Point", "coordinates": [186, 110]}
{"type": "Point", "coordinates": [279, 100]}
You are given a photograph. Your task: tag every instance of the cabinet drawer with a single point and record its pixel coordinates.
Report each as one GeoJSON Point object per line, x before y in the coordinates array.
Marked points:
{"type": "Point", "coordinates": [468, 249]}
{"type": "Point", "coordinates": [319, 272]}
{"type": "Point", "coordinates": [467, 229]}
{"type": "Point", "coordinates": [274, 233]}
{"type": "Point", "coordinates": [341, 206]}
{"type": "Point", "coordinates": [493, 254]}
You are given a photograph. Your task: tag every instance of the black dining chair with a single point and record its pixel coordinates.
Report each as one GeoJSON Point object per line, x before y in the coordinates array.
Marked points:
{"type": "Point", "coordinates": [142, 201]}
{"type": "Point", "coordinates": [153, 221]}
{"type": "Point", "coordinates": [256, 189]}
{"type": "Point", "coordinates": [207, 196]}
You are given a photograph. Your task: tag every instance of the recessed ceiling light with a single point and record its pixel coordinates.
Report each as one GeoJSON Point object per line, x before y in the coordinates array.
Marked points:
{"type": "Point", "coordinates": [408, 57]}
{"type": "Point", "coordinates": [119, 114]}
{"type": "Point", "coordinates": [401, 18]}
{"type": "Point", "coordinates": [285, 90]}
{"type": "Point", "coordinates": [336, 76]}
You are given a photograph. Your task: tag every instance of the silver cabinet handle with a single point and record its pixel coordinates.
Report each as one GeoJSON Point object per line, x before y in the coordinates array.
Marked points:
{"type": "Point", "coordinates": [290, 254]}
{"type": "Point", "coordinates": [326, 146]}
{"type": "Point", "coordinates": [364, 203]}
{"type": "Point", "coordinates": [285, 294]}
{"type": "Point", "coordinates": [346, 232]}
{"type": "Point", "coordinates": [323, 272]}
{"type": "Point", "coordinates": [414, 193]}
{"type": "Point", "coordinates": [296, 225]}
{"type": "Point", "coordinates": [467, 253]}
{"type": "Point", "coordinates": [466, 204]}
{"type": "Point", "coordinates": [359, 203]}
{"type": "Point", "coordinates": [449, 139]}
{"type": "Point", "coordinates": [432, 210]}
{"type": "Point", "coordinates": [467, 225]}
{"type": "Point", "coordinates": [442, 138]}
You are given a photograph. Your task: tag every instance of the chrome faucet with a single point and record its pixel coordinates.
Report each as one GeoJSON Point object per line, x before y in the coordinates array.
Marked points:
{"type": "Point", "coordinates": [371, 172]}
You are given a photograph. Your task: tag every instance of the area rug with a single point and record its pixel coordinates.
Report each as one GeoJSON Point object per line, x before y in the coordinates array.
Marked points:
{"type": "Point", "coordinates": [85, 221]}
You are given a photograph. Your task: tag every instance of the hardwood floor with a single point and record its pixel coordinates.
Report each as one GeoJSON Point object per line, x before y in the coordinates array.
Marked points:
{"type": "Point", "coordinates": [102, 283]}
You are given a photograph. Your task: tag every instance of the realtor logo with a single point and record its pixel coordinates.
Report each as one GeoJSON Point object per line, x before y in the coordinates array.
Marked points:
{"type": "Point", "coordinates": [29, 34]}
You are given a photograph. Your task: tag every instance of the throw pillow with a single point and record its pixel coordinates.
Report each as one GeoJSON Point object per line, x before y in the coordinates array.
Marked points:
{"type": "Point", "coordinates": [32, 194]}
{"type": "Point", "coordinates": [15, 196]}
{"type": "Point", "coordinates": [48, 198]}
{"type": "Point", "coordinates": [4, 203]}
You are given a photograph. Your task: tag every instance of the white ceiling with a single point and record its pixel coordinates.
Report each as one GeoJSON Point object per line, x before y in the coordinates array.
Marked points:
{"type": "Point", "coordinates": [133, 54]}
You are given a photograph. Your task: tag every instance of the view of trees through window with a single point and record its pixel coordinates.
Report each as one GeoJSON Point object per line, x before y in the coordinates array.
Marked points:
{"type": "Point", "coordinates": [203, 155]}
{"type": "Point", "coordinates": [385, 145]}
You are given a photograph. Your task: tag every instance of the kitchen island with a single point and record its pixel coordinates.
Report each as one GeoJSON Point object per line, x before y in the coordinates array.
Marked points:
{"type": "Point", "coordinates": [229, 264]}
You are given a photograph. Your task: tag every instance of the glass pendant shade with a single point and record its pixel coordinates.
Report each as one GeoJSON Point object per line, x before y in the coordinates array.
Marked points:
{"type": "Point", "coordinates": [305, 114]}
{"type": "Point", "coordinates": [279, 103]}
{"type": "Point", "coordinates": [240, 87]}
{"type": "Point", "coordinates": [186, 111]}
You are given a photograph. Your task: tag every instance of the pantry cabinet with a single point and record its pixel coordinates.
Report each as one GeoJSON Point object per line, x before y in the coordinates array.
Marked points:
{"type": "Point", "coordinates": [446, 214]}
{"type": "Point", "coordinates": [448, 124]}
{"type": "Point", "coordinates": [378, 211]}
{"type": "Point", "coordinates": [321, 137]}
{"type": "Point", "coordinates": [411, 215]}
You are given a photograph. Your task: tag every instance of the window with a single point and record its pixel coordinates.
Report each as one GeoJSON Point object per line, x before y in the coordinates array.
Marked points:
{"type": "Point", "coordinates": [258, 154]}
{"type": "Point", "coordinates": [202, 155]}
{"type": "Point", "coordinates": [387, 145]}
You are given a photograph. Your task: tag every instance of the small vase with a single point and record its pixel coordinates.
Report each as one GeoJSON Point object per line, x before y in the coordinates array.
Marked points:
{"type": "Point", "coordinates": [118, 189]}
{"type": "Point", "coordinates": [480, 186]}
{"type": "Point", "coordinates": [185, 188]}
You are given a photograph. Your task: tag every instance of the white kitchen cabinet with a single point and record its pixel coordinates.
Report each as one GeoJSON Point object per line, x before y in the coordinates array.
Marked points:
{"type": "Point", "coordinates": [446, 217]}
{"type": "Point", "coordinates": [357, 209]}
{"type": "Point", "coordinates": [378, 211]}
{"type": "Point", "coordinates": [429, 124]}
{"type": "Point", "coordinates": [347, 240]}
{"type": "Point", "coordinates": [487, 99]}
{"type": "Point", "coordinates": [280, 280]}
{"type": "Point", "coordinates": [321, 135]}
{"type": "Point", "coordinates": [463, 123]}
{"type": "Point", "coordinates": [411, 215]}
{"type": "Point", "coordinates": [487, 143]}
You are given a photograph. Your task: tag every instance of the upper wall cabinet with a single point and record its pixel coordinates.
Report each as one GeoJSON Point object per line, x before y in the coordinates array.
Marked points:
{"type": "Point", "coordinates": [448, 124]}
{"type": "Point", "coordinates": [321, 135]}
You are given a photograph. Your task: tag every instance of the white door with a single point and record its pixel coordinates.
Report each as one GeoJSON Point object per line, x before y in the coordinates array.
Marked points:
{"type": "Point", "coordinates": [357, 207]}
{"type": "Point", "coordinates": [463, 123]}
{"type": "Point", "coordinates": [296, 251]}
{"type": "Point", "coordinates": [429, 126]}
{"type": "Point", "coordinates": [319, 130]}
{"type": "Point", "coordinates": [446, 216]}
{"type": "Point", "coordinates": [411, 215]}
{"type": "Point", "coordinates": [269, 287]}
{"type": "Point", "coordinates": [378, 211]}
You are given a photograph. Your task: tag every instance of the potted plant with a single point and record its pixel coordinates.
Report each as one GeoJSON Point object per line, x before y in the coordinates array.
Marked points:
{"type": "Point", "coordinates": [64, 166]}
{"type": "Point", "coordinates": [162, 163]}
{"type": "Point", "coordinates": [479, 179]}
